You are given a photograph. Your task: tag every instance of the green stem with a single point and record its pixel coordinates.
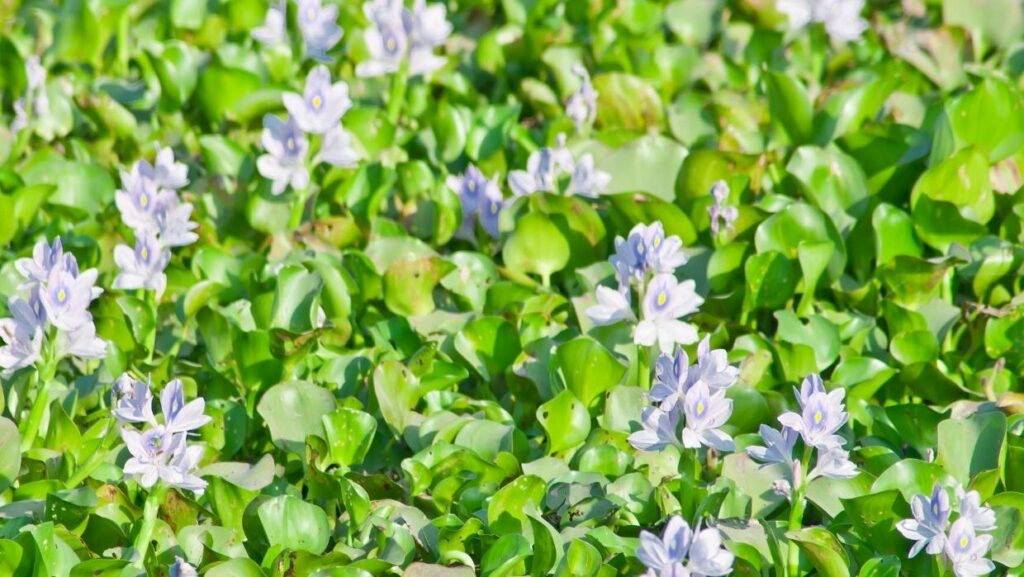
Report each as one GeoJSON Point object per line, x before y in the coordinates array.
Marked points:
{"type": "Point", "coordinates": [35, 416]}
{"type": "Point", "coordinates": [123, 27]}
{"type": "Point", "coordinates": [396, 100]}
{"type": "Point", "coordinates": [643, 371]}
{"type": "Point", "coordinates": [796, 514]}
{"type": "Point", "coordinates": [149, 515]}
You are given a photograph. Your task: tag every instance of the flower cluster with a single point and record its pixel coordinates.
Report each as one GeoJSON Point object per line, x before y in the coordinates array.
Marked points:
{"type": "Point", "coordinates": [317, 111]}
{"type": "Point", "coordinates": [481, 201]}
{"type": "Point", "coordinates": [841, 17]}
{"type": "Point", "coordinates": [400, 36]}
{"type": "Point", "coordinates": [317, 23]}
{"type": "Point", "coordinates": [35, 98]}
{"type": "Point", "coordinates": [149, 205]}
{"type": "Point", "coordinates": [161, 452]}
{"type": "Point", "coordinates": [722, 215]}
{"type": "Point", "coordinates": [959, 542]}
{"type": "Point", "coordinates": [648, 253]}
{"type": "Point", "coordinates": [581, 106]}
{"type": "Point", "coordinates": [822, 415]}
{"type": "Point", "coordinates": [546, 166]}
{"type": "Point", "coordinates": [682, 552]}
{"type": "Point", "coordinates": [691, 395]}
{"type": "Point", "coordinates": [53, 322]}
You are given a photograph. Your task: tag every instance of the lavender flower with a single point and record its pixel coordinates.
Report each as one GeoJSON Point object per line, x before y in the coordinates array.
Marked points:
{"type": "Point", "coordinates": [181, 568]}
{"type": "Point", "coordinates": [319, 27]}
{"type": "Point", "coordinates": [630, 258]}
{"type": "Point", "coordinates": [178, 416]}
{"type": "Point", "coordinates": [670, 549]}
{"type": "Point", "coordinates": [811, 384]}
{"type": "Point", "coordinates": [161, 453]}
{"type": "Point", "coordinates": [778, 446]}
{"type": "Point", "coordinates": [702, 551]}
{"type": "Point", "coordinates": [430, 29]}
{"type": "Point", "coordinates": [833, 463]}
{"type": "Point", "coordinates": [151, 455]}
{"type": "Point", "coordinates": [142, 268]}
{"type": "Point", "coordinates": [928, 527]}
{"type": "Point", "coordinates": [722, 215]}
{"type": "Point", "coordinates": [387, 40]}
{"type": "Point", "coordinates": [841, 17]}
{"type": "Point", "coordinates": [45, 258]}
{"type": "Point", "coordinates": [665, 303]}
{"type": "Point", "coordinates": [981, 517]}
{"type": "Point", "coordinates": [966, 550]}
{"type": "Point", "coordinates": [646, 249]}
{"type": "Point", "coordinates": [140, 200]}
{"type": "Point", "coordinates": [481, 201]}
{"type": "Point", "coordinates": [672, 379]}
{"type": "Point", "coordinates": [586, 180]}
{"type": "Point", "coordinates": [174, 223]}
{"type": "Point", "coordinates": [321, 105]}
{"type": "Point", "coordinates": [543, 169]}
{"type": "Point", "coordinates": [708, 556]}
{"type": "Point", "coordinates": [22, 335]}
{"type": "Point", "coordinates": [398, 34]}
{"type": "Point", "coordinates": [663, 254]}
{"type": "Point", "coordinates": [706, 413]}
{"type": "Point", "coordinates": [134, 401]}
{"type": "Point", "coordinates": [35, 98]}
{"type": "Point", "coordinates": [612, 306]}
{"type": "Point", "coordinates": [67, 295]}
{"type": "Point", "coordinates": [823, 414]}
{"type": "Point", "coordinates": [81, 342]}
{"type": "Point", "coordinates": [337, 150]}
{"type": "Point", "coordinates": [713, 366]}
{"type": "Point", "coordinates": [169, 173]}
{"type": "Point", "coordinates": [658, 432]}
{"type": "Point", "coordinates": [285, 161]}
{"type": "Point", "coordinates": [582, 104]}
{"type": "Point", "coordinates": [273, 29]}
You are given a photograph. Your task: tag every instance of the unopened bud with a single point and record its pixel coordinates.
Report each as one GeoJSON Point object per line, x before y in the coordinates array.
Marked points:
{"type": "Point", "coordinates": [798, 474]}
{"type": "Point", "coordinates": [782, 488]}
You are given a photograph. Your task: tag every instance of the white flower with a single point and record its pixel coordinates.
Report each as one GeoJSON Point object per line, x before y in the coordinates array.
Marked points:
{"type": "Point", "coordinates": [179, 416]}
{"type": "Point", "coordinates": [612, 306]}
{"type": "Point", "coordinates": [706, 413]}
{"type": "Point", "coordinates": [586, 180]}
{"type": "Point", "coordinates": [928, 527]}
{"type": "Point", "coordinates": [273, 29]}
{"type": "Point", "coordinates": [134, 401]}
{"type": "Point", "coordinates": [658, 430]}
{"type": "Point", "coordinates": [822, 416]}
{"type": "Point", "coordinates": [181, 568]}
{"type": "Point", "coordinates": [22, 335]}
{"type": "Point", "coordinates": [543, 169]}
{"type": "Point", "coordinates": [722, 215]}
{"type": "Point", "coordinates": [142, 268]}
{"type": "Point", "coordinates": [66, 297]}
{"type": "Point", "coordinates": [841, 17]}
{"type": "Point", "coordinates": [665, 303]}
{"type": "Point", "coordinates": [778, 446]}
{"type": "Point", "coordinates": [321, 105]}
{"type": "Point", "coordinates": [337, 150]}
{"type": "Point", "coordinates": [966, 550]}
{"type": "Point", "coordinates": [582, 104]}
{"type": "Point", "coordinates": [285, 161]}
{"type": "Point", "coordinates": [45, 258]}
{"type": "Point", "coordinates": [168, 173]}
{"type": "Point", "coordinates": [319, 27]}
{"type": "Point", "coordinates": [982, 518]}
{"type": "Point", "coordinates": [834, 463]}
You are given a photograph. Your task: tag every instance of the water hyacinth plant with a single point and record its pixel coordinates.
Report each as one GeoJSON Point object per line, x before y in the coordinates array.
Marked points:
{"type": "Point", "coordinates": [660, 288]}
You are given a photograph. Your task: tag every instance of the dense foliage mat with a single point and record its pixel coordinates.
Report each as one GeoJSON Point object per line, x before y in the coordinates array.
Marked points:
{"type": "Point", "coordinates": [584, 288]}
